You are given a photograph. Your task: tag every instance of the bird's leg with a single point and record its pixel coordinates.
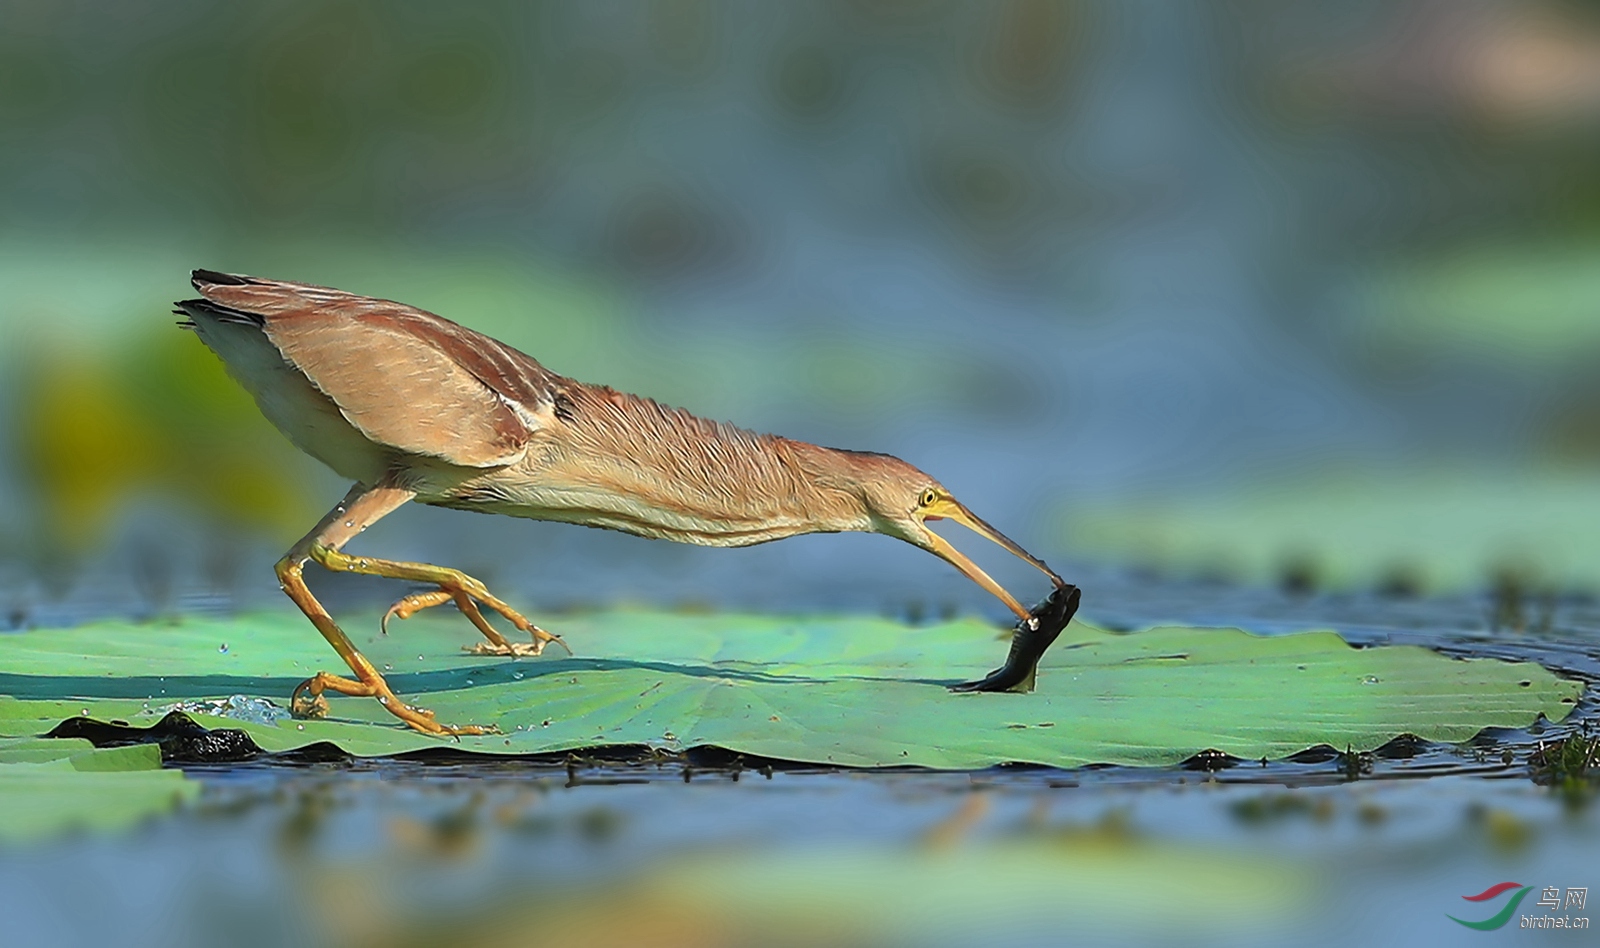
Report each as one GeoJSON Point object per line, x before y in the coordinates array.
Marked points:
{"type": "Point", "coordinates": [360, 508]}
{"type": "Point", "coordinates": [454, 585]}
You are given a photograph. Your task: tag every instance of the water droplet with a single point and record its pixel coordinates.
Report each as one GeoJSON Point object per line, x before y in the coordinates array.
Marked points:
{"type": "Point", "coordinates": [383, 699]}
{"type": "Point", "coordinates": [469, 681]}
{"type": "Point", "coordinates": [223, 648]}
{"type": "Point", "coordinates": [545, 723]}
{"type": "Point", "coordinates": [419, 658]}
{"type": "Point", "coordinates": [517, 675]}
{"type": "Point", "coordinates": [349, 523]}
{"type": "Point", "coordinates": [300, 727]}
{"type": "Point", "coordinates": [85, 712]}
{"type": "Point", "coordinates": [1370, 680]}
{"type": "Point", "coordinates": [388, 667]}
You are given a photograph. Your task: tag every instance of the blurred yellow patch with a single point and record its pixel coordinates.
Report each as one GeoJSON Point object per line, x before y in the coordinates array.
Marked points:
{"type": "Point", "coordinates": [156, 418]}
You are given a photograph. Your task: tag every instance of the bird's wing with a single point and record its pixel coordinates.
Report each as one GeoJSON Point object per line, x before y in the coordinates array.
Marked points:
{"type": "Point", "coordinates": [404, 377]}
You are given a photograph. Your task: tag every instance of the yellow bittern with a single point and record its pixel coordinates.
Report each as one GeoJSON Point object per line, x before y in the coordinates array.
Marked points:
{"type": "Point", "coordinates": [412, 406]}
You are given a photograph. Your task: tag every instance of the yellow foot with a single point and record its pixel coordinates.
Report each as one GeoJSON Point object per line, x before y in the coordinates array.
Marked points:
{"type": "Point", "coordinates": [306, 705]}
{"type": "Point", "coordinates": [463, 592]}
{"type": "Point", "coordinates": [308, 702]}
{"type": "Point", "coordinates": [510, 649]}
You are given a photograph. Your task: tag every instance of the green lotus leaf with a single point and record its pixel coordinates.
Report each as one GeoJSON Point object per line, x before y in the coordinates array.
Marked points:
{"type": "Point", "coordinates": [82, 789]}
{"type": "Point", "coordinates": [850, 691]}
{"type": "Point", "coordinates": [40, 750]}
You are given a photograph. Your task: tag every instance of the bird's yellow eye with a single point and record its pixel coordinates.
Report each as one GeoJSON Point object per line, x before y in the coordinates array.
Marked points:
{"type": "Point", "coordinates": [928, 497]}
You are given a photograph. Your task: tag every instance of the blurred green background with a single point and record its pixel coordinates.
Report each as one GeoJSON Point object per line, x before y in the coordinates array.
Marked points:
{"type": "Point", "coordinates": [1266, 292]}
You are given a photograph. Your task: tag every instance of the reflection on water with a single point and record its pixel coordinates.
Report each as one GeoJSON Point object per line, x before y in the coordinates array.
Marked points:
{"type": "Point", "coordinates": [390, 854]}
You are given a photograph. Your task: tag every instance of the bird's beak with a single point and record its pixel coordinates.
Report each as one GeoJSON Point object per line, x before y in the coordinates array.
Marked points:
{"type": "Point", "coordinates": [956, 511]}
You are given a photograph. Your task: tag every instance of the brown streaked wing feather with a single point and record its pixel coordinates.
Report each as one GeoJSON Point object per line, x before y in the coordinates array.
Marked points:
{"type": "Point", "coordinates": [404, 377]}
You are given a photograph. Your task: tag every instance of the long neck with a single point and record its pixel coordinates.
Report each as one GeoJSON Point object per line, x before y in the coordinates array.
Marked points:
{"type": "Point", "coordinates": [632, 464]}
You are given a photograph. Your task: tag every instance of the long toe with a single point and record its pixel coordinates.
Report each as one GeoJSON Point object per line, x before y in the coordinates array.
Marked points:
{"type": "Point", "coordinates": [470, 730]}
{"type": "Point", "coordinates": [308, 706]}
{"type": "Point", "coordinates": [541, 638]}
{"type": "Point", "coordinates": [510, 649]}
{"type": "Point", "coordinates": [409, 606]}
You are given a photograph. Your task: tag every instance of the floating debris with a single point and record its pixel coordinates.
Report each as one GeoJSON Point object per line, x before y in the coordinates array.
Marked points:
{"type": "Point", "coordinates": [180, 737]}
{"type": "Point", "coordinates": [1570, 766]}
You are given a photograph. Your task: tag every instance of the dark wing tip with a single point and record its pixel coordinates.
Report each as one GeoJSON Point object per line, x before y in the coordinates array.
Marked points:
{"type": "Point", "coordinates": [216, 278]}
{"type": "Point", "coordinates": [217, 311]}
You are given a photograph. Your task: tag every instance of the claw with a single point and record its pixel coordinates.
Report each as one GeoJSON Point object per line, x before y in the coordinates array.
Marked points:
{"type": "Point", "coordinates": [308, 701]}
{"type": "Point", "coordinates": [408, 606]}
{"type": "Point", "coordinates": [541, 638]}
{"type": "Point", "coordinates": [464, 597]}
{"type": "Point", "coordinates": [510, 649]}
{"type": "Point", "coordinates": [308, 706]}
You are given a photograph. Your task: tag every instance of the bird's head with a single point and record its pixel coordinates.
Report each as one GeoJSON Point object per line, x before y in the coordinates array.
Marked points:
{"type": "Point", "coordinates": [900, 500]}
